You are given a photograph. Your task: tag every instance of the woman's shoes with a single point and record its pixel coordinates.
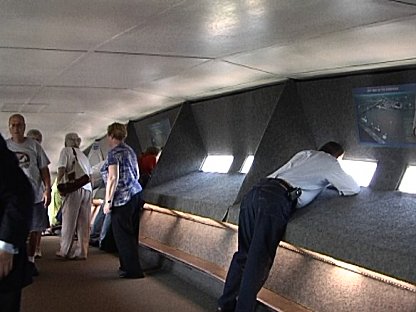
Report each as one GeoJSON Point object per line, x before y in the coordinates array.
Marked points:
{"type": "Point", "coordinates": [60, 256]}
{"type": "Point", "coordinates": [63, 257]}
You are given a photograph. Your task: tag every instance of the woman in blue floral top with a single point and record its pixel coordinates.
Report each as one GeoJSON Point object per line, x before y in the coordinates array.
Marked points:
{"type": "Point", "coordinates": [123, 199]}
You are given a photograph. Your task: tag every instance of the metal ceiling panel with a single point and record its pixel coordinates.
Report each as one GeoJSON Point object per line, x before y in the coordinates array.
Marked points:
{"type": "Point", "coordinates": [33, 67]}
{"type": "Point", "coordinates": [72, 25]}
{"type": "Point", "coordinates": [123, 70]}
{"type": "Point", "coordinates": [16, 94]}
{"type": "Point", "coordinates": [105, 103]}
{"type": "Point", "coordinates": [207, 77]}
{"type": "Point", "coordinates": [374, 45]}
{"type": "Point", "coordinates": [218, 28]}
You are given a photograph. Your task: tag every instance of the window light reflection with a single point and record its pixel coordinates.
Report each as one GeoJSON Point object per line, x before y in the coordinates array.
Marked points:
{"type": "Point", "coordinates": [361, 171]}
{"type": "Point", "coordinates": [217, 163]}
{"type": "Point", "coordinates": [247, 164]}
{"type": "Point", "coordinates": [407, 184]}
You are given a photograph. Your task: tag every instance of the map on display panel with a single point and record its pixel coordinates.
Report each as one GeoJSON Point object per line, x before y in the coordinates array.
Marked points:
{"type": "Point", "coordinates": [386, 114]}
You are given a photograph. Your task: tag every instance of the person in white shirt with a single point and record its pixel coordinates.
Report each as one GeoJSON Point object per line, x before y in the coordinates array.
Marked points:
{"type": "Point", "coordinates": [265, 211]}
{"type": "Point", "coordinates": [76, 206]}
{"type": "Point", "coordinates": [34, 163]}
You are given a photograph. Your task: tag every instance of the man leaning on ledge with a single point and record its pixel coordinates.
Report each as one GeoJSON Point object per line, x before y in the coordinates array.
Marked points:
{"type": "Point", "coordinates": [264, 213]}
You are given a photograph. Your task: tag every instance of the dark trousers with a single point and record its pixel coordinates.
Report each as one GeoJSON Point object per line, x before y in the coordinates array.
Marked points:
{"type": "Point", "coordinates": [10, 301]}
{"type": "Point", "coordinates": [125, 221]}
{"type": "Point", "coordinates": [264, 213]}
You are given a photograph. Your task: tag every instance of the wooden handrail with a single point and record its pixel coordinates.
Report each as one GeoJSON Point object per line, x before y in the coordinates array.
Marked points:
{"type": "Point", "coordinates": [265, 296]}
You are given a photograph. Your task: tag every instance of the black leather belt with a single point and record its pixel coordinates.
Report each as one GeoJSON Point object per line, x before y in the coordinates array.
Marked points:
{"type": "Point", "coordinates": [285, 185]}
{"type": "Point", "coordinates": [293, 193]}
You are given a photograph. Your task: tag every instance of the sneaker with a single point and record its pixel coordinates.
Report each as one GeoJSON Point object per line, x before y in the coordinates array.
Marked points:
{"type": "Point", "coordinates": [47, 232]}
{"type": "Point", "coordinates": [61, 256]}
{"type": "Point", "coordinates": [38, 254]}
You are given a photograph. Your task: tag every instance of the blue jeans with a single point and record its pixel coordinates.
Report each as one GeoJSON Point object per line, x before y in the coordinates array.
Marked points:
{"type": "Point", "coordinates": [264, 213]}
{"type": "Point", "coordinates": [97, 226]}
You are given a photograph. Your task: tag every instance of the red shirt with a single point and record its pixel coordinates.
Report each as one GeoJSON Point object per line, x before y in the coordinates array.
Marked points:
{"type": "Point", "coordinates": [147, 163]}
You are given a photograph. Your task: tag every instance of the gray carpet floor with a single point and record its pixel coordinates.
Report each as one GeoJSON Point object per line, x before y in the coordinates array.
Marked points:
{"type": "Point", "coordinates": [93, 285]}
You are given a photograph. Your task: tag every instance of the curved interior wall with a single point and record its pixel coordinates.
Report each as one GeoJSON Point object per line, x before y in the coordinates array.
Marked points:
{"type": "Point", "coordinates": [293, 116]}
{"type": "Point", "coordinates": [232, 124]}
{"type": "Point", "coordinates": [273, 123]}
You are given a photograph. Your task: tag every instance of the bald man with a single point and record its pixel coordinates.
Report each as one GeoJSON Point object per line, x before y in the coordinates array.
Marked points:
{"type": "Point", "coordinates": [34, 163]}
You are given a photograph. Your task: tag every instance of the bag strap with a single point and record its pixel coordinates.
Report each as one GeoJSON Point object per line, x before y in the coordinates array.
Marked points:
{"type": "Point", "coordinates": [75, 154]}
{"type": "Point", "coordinates": [75, 160]}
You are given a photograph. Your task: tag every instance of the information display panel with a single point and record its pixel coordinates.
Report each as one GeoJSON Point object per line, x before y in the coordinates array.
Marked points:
{"type": "Point", "coordinates": [386, 114]}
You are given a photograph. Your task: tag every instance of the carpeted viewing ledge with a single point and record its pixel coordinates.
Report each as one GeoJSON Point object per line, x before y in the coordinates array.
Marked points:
{"type": "Point", "coordinates": [200, 193]}
{"type": "Point", "coordinates": [374, 230]}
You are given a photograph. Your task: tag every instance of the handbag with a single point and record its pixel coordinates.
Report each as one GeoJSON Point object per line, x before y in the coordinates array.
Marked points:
{"type": "Point", "coordinates": [76, 178]}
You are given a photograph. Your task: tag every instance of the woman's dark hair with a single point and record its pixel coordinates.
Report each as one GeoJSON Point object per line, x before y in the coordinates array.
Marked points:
{"type": "Point", "coordinates": [333, 148]}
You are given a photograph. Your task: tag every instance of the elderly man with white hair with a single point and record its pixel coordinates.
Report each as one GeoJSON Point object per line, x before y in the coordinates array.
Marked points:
{"type": "Point", "coordinates": [76, 206]}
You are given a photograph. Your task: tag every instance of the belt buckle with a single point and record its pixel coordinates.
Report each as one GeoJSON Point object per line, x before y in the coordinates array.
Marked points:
{"type": "Point", "coordinates": [295, 193]}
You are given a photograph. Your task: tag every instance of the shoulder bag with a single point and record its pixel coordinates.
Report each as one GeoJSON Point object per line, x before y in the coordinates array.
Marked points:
{"type": "Point", "coordinates": [76, 178]}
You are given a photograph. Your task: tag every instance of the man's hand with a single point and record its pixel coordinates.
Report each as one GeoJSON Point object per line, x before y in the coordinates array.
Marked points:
{"type": "Point", "coordinates": [47, 198]}
{"type": "Point", "coordinates": [6, 263]}
{"type": "Point", "coordinates": [107, 208]}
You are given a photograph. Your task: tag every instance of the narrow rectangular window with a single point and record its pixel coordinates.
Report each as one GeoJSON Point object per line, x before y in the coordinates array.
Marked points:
{"type": "Point", "coordinates": [361, 171]}
{"type": "Point", "coordinates": [408, 182]}
{"type": "Point", "coordinates": [217, 163]}
{"type": "Point", "coordinates": [247, 164]}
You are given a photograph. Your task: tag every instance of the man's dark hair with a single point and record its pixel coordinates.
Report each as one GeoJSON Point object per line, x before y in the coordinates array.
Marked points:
{"type": "Point", "coordinates": [152, 150]}
{"type": "Point", "coordinates": [333, 148]}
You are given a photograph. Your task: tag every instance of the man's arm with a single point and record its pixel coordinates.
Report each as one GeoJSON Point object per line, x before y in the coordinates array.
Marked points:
{"type": "Point", "coordinates": [46, 178]}
{"type": "Point", "coordinates": [342, 181]}
{"type": "Point", "coordinates": [42, 163]}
